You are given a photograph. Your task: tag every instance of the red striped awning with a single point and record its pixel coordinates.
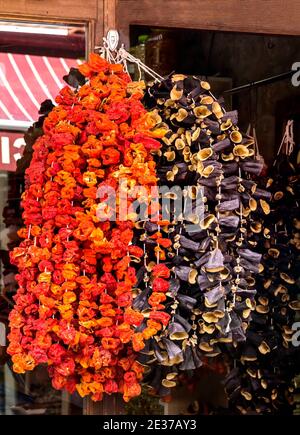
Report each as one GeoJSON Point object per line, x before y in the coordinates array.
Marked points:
{"type": "Point", "coordinates": [25, 82]}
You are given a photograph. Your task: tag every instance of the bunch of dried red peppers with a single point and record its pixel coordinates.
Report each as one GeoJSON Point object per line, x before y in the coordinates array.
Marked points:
{"type": "Point", "coordinates": [73, 308]}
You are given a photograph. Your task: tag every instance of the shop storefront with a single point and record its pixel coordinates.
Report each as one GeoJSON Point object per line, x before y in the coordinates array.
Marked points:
{"type": "Point", "coordinates": [149, 210]}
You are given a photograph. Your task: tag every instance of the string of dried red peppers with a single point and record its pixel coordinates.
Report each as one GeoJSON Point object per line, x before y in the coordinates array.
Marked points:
{"type": "Point", "coordinates": [73, 309]}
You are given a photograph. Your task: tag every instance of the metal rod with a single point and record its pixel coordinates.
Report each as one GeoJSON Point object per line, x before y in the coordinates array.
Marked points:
{"type": "Point", "coordinates": [258, 83]}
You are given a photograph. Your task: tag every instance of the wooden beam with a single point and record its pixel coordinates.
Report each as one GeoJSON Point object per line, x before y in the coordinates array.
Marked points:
{"type": "Point", "coordinates": [60, 9]}
{"type": "Point", "coordinates": [269, 16]}
{"type": "Point", "coordinates": [109, 15]}
{"type": "Point", "coordinates": [110, 405]}
{"type": "Point", "coordinates": [106, 19]}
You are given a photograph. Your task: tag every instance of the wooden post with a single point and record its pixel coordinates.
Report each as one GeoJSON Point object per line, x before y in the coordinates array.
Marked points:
{"type": "Point", "coordinates": [109, 15]}
{"type": "Point", "coordinates": [110, 405]}
{"type": "Point", "coordinates": [106, 20]}
{"type": "Point", "coordinates": [65, 403]}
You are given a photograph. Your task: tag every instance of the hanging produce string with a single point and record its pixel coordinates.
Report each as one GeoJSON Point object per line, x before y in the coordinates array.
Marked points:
{"type": "Point", "coordinates": [277, 344]}
{"type": "Point", "coordinates": [124, 56]}
{"type": "Point", "coordinates": [111, 54]}
{"type": "Point", "coordinates": [23, 361]}
{"type": "Point", "coordinates": [287, 144]}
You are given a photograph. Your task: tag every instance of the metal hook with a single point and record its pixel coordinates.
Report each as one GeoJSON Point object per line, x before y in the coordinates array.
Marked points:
{"type": "Point", "coordinates": [112, 39]}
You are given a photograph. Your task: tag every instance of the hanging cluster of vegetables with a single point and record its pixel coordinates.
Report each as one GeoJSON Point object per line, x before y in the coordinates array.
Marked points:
{"type": "Point", "coordinates": [73, 308]}
{"type": "Point", "coordinates": [12, 212]}
{"type": "Point", "coordinates": [109, 296]}
{"type": "Point", "coordinates": [266, 364]}
{"type": "Point", "coordinates": [212, 286]}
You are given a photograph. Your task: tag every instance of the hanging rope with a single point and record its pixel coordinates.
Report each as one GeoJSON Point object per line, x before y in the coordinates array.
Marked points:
{"type": "Point", "coordinates": [127, 57]}
{"type": "Point", "coordinates": [113, 55]}
{"type": "Point", "coordinates": [287, 144]}
{"type": "Point", "coordinates": [251, 131]}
